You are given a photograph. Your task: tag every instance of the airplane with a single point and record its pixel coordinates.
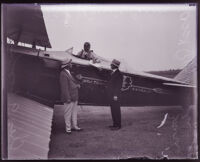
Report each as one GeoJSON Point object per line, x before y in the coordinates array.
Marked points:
{"type": "Point", "coordinates": [34, 73]}
{"type": "Point", "coordinates": [32, 78]}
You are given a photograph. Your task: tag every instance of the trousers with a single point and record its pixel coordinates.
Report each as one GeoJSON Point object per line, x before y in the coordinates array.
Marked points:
{"type": "Point", "coordinates": [116, 113]}
{"type": "Point", "coordinates": [70, 115]}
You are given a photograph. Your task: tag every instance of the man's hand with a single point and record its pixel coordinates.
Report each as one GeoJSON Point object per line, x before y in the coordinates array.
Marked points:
{"type": "Point", "coordinates": [115, 98]}
{"type": "Point", "coordinates": [79, 76]}
{"type": "Point", "coordinates": [95, 60]}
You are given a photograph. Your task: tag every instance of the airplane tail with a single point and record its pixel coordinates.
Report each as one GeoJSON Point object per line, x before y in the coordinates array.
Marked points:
{"type": "Point", "coordinates": [189, 73]}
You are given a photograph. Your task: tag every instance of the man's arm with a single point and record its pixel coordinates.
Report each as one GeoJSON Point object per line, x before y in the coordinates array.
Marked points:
{"type": "Point", "coordinates": [117, 86]}
{"type": "Point", "coordinates": [94, 57]}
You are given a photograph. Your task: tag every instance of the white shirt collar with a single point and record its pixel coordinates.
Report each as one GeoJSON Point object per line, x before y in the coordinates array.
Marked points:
{"type": "Point", "coordinates": [114, 70]}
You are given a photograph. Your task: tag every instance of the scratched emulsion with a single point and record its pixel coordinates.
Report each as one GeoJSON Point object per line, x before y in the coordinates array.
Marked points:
{"type": "Point", "coordinates": [189, 120]}
{"type": "Point", "coordinates": [185, 144]}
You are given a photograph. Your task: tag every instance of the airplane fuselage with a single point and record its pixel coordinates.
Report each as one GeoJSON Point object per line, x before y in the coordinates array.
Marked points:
{"type": "Point", "coordinates": [38, 78]}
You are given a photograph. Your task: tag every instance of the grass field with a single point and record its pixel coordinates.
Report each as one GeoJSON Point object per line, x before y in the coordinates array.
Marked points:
{"type": "Point", "coordinates": [139, 137]}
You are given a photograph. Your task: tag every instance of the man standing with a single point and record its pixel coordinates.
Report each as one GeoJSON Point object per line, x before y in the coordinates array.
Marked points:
{"type": "Point", "coordinates": [69, 96]}
{"type": "Point", "coordinates": [114, 90]}
{"type": "Point", "coordinates": [88, 54]}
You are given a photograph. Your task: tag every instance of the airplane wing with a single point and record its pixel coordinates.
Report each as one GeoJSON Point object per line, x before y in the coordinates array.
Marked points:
{"type": "Point", "coordinates": [29, 128]}
{"type": "Point", "coordinates": [28, 122]}
{"type": "Point", "coordinates": [25, 24]}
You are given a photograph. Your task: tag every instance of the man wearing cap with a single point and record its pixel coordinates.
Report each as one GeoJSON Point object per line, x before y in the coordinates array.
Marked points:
{"type": "Point", "coordinates": [114, 90]}
{"type": "Point", "coordinates": [69, 96]}
{"type": "Point", "coordinates": [88, 54]}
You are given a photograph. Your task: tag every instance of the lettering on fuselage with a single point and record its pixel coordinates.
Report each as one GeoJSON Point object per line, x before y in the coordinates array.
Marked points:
{"type": "Point", "coordinates": [142, 89]}
{"type": "Point", "coordinates": [90, 80]}
{"type": "Point", "coordinates": [161, 91]}
{"type": "Point", "coordinates": [128, 85]}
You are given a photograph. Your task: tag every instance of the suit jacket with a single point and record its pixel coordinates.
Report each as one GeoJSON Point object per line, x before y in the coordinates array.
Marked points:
{"type": "Point", "coordinates": [114, 85]}
{"type": "Point", "coordinates": [69, 87]}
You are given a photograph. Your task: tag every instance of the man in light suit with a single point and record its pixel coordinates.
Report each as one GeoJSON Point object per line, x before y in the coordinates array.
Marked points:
{"type": "Point", "coordinates": [69, 96]}
{"type": "Point", "coordinates": [114, 92]}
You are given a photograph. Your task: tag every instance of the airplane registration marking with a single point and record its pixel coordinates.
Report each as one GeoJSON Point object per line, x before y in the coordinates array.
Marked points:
{"type": "Point", "coordinates": [126, 85]}
{"type": "Point", "coordinates": [91, 80]}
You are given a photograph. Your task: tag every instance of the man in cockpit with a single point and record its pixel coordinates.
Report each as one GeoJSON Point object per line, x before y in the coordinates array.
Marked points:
{"type": "Point", "coordinates": [88, 54]}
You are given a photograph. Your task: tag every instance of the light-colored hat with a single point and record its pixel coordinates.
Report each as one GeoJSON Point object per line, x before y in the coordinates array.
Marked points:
{"type": "Point", "coordinates": [115, 62]}
{"type": "Point", "coordinates": [65, 62]}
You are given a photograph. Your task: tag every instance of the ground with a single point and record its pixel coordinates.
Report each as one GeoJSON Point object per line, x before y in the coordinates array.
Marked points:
{"type": "Point", "coordinates": [147, 132]}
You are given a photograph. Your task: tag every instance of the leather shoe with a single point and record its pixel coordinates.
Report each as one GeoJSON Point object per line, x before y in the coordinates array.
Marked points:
{"type": "Point", "coordinates": [77, 129]}
{"type": "Point", "coordinates": [68, 131]}
{"type": "Point", "coordinates": [115, 128]}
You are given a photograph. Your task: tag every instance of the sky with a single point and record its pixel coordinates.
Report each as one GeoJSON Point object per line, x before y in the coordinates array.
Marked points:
{"type": "Point", "coordinates": [144, 37]}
